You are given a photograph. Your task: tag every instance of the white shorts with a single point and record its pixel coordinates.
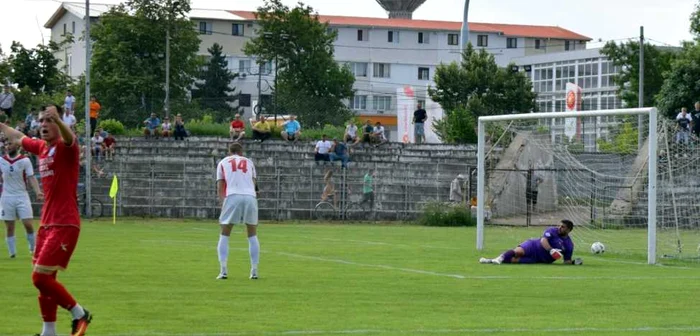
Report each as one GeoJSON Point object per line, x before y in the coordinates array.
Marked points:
{"type": "Point", "coordinates": [239, 209]}
{"type": "Point", "coordinates": [15, 207]}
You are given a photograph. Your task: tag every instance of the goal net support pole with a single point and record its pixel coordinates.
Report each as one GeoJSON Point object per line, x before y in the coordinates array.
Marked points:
{"type": "Point", "coordinates": [651, 165]}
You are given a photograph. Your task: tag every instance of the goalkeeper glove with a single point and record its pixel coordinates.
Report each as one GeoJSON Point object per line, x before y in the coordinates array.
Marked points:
{"type": "Point", "coordinates": [577, 261]}
{"type": "Point", "coordinates": [556, 254]}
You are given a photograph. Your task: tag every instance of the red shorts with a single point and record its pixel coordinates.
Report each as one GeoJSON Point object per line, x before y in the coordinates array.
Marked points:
{"type": "Point", "coordinates": [55, 246]}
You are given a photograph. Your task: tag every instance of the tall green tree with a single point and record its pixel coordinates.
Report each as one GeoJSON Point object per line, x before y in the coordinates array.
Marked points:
{"type": "Point", "coordinates": [681, 87]}
{"type": "Point", "coordinates": [310, 83]}
{"type": "Point", "coordinates": [477, 87]}
{"type": "Point", "coordinates": [625, 56]}
{"type": "Point", "coordinates": [5, 67]}
{"type": "Point", "coordinates": [214, 91]}
{"type": "Point", "coordinates": [37, 68]}
{"type": "Point", "coordinates": [128, 62]}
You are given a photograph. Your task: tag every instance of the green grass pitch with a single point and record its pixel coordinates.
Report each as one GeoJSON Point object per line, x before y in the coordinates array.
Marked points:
{"type": "Point", "coordinates": [156, 277]}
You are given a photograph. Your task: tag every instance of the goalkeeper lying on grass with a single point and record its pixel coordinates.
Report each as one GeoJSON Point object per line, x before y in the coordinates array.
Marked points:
{"type": "Point", "coordinates": [554, 244]}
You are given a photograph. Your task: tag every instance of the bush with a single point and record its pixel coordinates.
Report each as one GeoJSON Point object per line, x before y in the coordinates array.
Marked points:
{"type": "Point", "coordinates": [315, 134]}
{"type": "Point", "coordinates": [445, 214]}
{"type": "Point", "coordinates": [207, 126]}
{"type": "Point", "coordinates": [112, 126]}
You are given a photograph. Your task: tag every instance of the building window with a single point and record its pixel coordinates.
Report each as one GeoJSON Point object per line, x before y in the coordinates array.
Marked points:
{"type": "Point", "coordinates": [73, 28]}
{"type": "Point", "coordinates": [362, 35]}
{"type": "Point", "coordinates": [244, 66]}
{"type": "Point", "coordinates": [567, 45]}
{"type": "Point", "coordinates": [382, 70]}
{"type": "Point", "coordinates": [539, 44]}
{"type": "Point", "coordinates": [543, 81]}
{"type": "Point", "coordinates": [358, 69]}
{"type": "Point", "coordinates": [244, 100]}
{"type": "Point", "coordinates": [358, 103]}
{"type": "Point", "coordinates": [421, 102]}
{"type": "Point", "coordinates": [512, 43]}
{"type": "Point", "coordinates": [265, 101]}
{"type": "Point", "coordinates": [392, 36]}
{"type": "Point", "coordinates": [423, 38]}
{"type": "Point", "coordinates": [382, 103]}
{"type": "Point", "coordinates": [267, 68]}
{"type": "Point", "coordinates": [237, 29]}
{"type": "Point", "coordinates": [65, 27]}
{"type": "Point", "coordinates": [482, 41]}
{"type": "Point", "coordinates": [333, 31]}
{"type": "Point", "coordinates": [608, 71]}
{"type": "Point", "coordinates": [566, 73]}
{"type": "Point", "coordinates": [69, 64]}
{"type": "Point", "coordinates": [453, 39]}
{"type": "Point", "coordinates": [588, 74]}
{"type": "Point", "coordinates": [424, 73]}
{"type": "Point", "coordinates": [205, 28]}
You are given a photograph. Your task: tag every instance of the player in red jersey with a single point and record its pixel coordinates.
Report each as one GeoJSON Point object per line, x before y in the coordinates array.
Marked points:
{"type": "Point", "coordinates": [58, 233]}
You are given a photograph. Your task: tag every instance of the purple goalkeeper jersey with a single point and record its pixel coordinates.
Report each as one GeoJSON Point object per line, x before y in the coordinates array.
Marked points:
{"type": "Point", "coordinates": [535, 253]}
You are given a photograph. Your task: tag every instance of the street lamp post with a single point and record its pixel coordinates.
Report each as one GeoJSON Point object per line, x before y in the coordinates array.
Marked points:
{"type": "Point", "coordinates": [171, 8]}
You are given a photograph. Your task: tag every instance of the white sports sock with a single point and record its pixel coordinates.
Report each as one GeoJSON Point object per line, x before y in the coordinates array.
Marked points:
{"type": "Point", "coordinates": [223, 253]}
{"type": "Point", "coordinates": [49, 329]}
{"type": "Point", "coordinates": [77, 311]}
{"type": "Point", "coordinates": [254, 250]}
{"type": "Point", "coordinates": [30, 240]}
{"type": "Point", "coordinates": [11, 246]}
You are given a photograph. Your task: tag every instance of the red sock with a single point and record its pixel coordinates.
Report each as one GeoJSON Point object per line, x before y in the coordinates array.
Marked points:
{"type": "Point", "coordinates": [49, 287]}
{"type": "Point", "coordinates": [48, 308]}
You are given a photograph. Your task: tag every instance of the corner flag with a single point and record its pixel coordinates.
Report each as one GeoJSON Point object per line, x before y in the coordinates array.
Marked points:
{"type": "Point", "coordinates": [113, 190]}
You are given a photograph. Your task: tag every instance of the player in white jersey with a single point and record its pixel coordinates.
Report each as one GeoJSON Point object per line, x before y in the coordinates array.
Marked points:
{"type": "Point", "coordinates": [237, 190]}
{"type": "Point", "coordinates": [15, 203]}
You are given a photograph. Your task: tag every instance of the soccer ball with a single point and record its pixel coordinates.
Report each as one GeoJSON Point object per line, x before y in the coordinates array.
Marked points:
{"type": "Point", "coordinates": [597, 248]}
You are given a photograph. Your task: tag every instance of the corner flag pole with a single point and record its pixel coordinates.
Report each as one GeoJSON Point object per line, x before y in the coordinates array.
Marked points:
{"type": "Point", "coordinates": [113, 190]}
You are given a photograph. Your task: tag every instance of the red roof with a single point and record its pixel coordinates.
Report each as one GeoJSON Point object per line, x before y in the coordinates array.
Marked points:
{"type": "Point", "coordinates": [505, 29]}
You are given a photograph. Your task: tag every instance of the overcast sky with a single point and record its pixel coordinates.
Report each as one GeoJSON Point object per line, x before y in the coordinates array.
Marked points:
{"type": "Point", "coordinates": [665, 21]}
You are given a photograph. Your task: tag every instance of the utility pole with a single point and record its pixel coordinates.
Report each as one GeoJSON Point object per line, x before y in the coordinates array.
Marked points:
{"type": "Point", "coordinates": [640, 118]}
{"type": "Point", "coordinates": [88, 153]}
{"type": "Point", "coordinates": [166, 107]}
{"type": "Point", "coordinates": [465, 27]}
{"type": "Point", "coordinates": [257, 109]}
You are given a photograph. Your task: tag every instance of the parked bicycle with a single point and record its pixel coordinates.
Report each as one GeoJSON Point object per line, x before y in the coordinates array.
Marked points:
{"type": "Point", "coordinates": [96, 206]}
{"type": "Point", "coordinates": [353, 210]}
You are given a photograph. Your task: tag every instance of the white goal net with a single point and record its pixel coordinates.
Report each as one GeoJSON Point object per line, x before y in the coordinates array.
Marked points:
{"type": "Point", "coordinates": [536, 169]}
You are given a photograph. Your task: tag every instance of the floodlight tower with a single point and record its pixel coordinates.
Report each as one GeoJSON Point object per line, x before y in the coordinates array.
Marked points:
{"type": "Point", "coordinates": [400, 9]}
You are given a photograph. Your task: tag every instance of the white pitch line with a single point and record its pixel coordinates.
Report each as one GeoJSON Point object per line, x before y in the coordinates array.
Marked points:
{"type": "Point", "coordinates": [431, 331]}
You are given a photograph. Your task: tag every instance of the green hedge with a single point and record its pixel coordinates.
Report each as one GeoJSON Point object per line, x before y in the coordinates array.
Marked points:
{"type": "Point", "coordinates": [446, 214]}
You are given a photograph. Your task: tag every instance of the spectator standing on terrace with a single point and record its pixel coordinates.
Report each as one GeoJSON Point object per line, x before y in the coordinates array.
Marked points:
{"type": "Point", "coordinates": [339, 151]}
{"type": "Point", "coordinates": [322, 150]}
{"type": "Point", "coordinates": [696, 119]}
{"type": "Point", "coordinates": [152, 125]}
{"type": "Point", "coordinates": [7, 101]}
{"type": "Point", "coordinates": [166, 129]}
{"type": "Point", "coordinates": [368, 189]}
{"type": "Point", "coordinates": [97, 143]}
{"type": "Point", "coordinates": [237, 129]}
{"type": "Point", "coordinates": [419, 118]}
{"type": "Point", "coordinates": [69, 103]}
{"type": "Point", "coordinates": [95, 108]}
{"type": "Point", "coordinates": [180, 133]}
{"type": "Point", "coordinates": [456, 193]}
{"type": "Point", "coordinates": [292, 129]}
{"type": "Point", "coordinates": [261, 130]}
{"type": "Point", "coordinates": [683, 120]}
{"type": "Point", "coordinates": [69, 119]}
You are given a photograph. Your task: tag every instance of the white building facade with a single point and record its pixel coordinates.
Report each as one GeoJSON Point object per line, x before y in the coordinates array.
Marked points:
{"type": "Point", "coordinates": [384, 54]}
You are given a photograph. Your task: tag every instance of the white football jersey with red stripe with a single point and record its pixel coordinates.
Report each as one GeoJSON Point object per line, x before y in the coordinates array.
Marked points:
{"type": "Point", "coordinates": [14, 175]}
{"type": "Point", "coordinates": [238, 172]}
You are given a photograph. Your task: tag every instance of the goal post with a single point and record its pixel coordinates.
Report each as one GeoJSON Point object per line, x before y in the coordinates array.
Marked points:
{"type": "Point", "coordinates": [576, 186]}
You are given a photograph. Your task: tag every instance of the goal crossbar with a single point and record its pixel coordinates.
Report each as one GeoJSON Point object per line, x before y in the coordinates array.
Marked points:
{"type": "Point", "coordinates": [652, 113]}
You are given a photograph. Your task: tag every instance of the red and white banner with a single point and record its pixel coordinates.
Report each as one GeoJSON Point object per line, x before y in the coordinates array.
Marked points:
{"type": "Point", "coordinates": [573, 103]}
{"type": "Point", "coordinates": [405, 105]}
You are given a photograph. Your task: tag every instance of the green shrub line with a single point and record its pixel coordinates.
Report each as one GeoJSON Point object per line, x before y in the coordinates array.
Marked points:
{"type": "Point", "coordinates": [446, 215]}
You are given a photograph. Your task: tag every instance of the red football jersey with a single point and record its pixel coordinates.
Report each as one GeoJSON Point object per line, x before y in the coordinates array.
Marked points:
{"type": "Point", "coordinates": [58, 166]}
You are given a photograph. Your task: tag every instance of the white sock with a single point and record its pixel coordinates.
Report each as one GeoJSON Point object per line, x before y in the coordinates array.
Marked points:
{"type": "Point", "coordinates": [254, 250]}
{"type": "Point", "coordinates": [49, 329]}
{"type": "Point", "coordinates": [223, 253]}
{"type": "Point", "coordinates": [30, 240]}
{"type": "Point", "coordinates": [77, 311]}
{"type": "Point", "coordinates": [11, 245]}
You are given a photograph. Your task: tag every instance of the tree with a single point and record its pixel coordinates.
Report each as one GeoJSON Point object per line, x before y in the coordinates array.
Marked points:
{"type": "Point", "coordinates": [625, 56]}
{"type": "Point", "coordinates": [5, 68]}
{"type": "Point", "coordinates": [681, 87]}
{"type": "Point", "coordinates": [37, 68]}
{"type": "Point", "coordinates": [214, 91]}
{"type": "Point", "coordinates": [477, 76]}
{"type": "Point", "coordinates": [128, 61]}
{"type": "Point", "coordinates": [477, 87]}
{"type": "Point", "coordinates": [310, 83]}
